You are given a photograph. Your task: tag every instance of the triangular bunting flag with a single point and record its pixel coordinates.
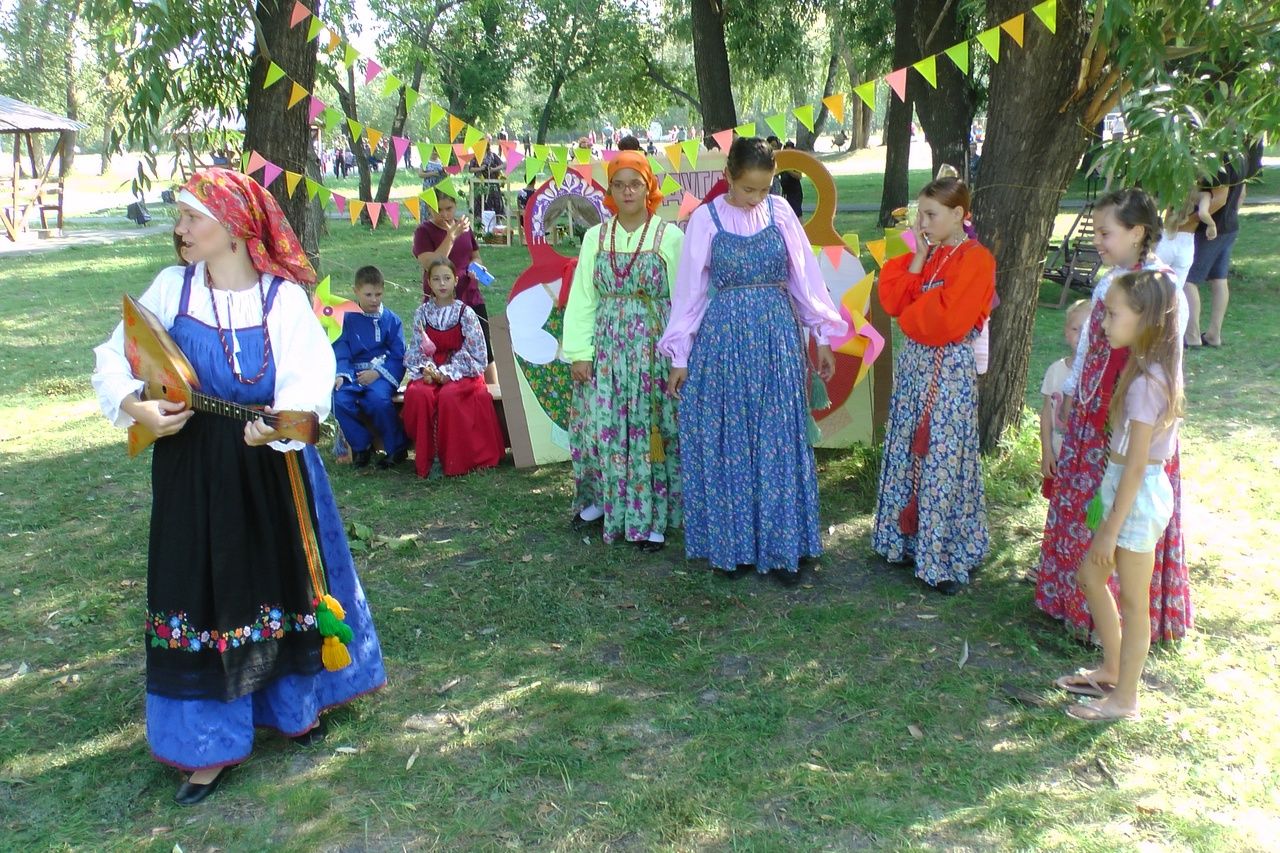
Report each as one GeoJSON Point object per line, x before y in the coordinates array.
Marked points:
{"type": "Point", "coordinates": [582, 155]}
{"type": "Point", "coordinates": [297, 93]}
{"type": "Point", "coordinates": [331, 118]}
{"type": "Point", "coordinates": [430, 197]}
{"type": "Point", "coordinates": [804, 115]}
{"type": "Point", "coordinates": [851, 240]}
{"type": "Point", "coordinates": [834, 254]}
{"type": "Point", "coordinates": [876, 248]}
{"type": "Point", "coordinates": [353, 209]}
{"type": "Point", "coordinates": [399, 144]}
{"type": "Point", "coordinates": [340, 202]}
{"type": "Point", "coordinates": [300, 12]}
{"type": "Point", "coordinates": [446, 186]}
{"type": "Point", "coordinates": [455, 126]}
{"type": "Point", "coordinates": [673, 154]}
{"type": "Point", "coordinates": [314, 29]}
{"type": "Point", "coordinates": [371, 69]}
{"type": "Point", "coordinates": [895, 243]}
{"type": "Point", "coordinates": [583, 170]}
{"type": "Point", "coordinates": [323, 193]}
{"type": "Point", "coordinates": [436, 114]}
{"type": "Point", "coordinates": [532, 168]}
{"type": "Point", "coordinates": [375, 210]}
{"type": "Point", "coordinates": [1014, 27]}
{"type": "Point", "coordinates": [334, 41]}
{"type": "Point", "coordinates": [256, 162]}
{"type": "Point", "coordinates": [414, 205]}
{"type": "Point", "coordinates": [690, 148]}
{"type": "Point", "coordinates": [244, 162]}
{"type": "Point", "coordinates": [481, 148]}
{"type": "Point", "coordinates": [835, 103]}
{"type": "Point", "coordinates": [392, 209]}
{"type": "Point", "coordinates": [990, 41]}
{"type": "Point", "coordinates": [460, 151]}
{"type": "Point", "coordinates": [472, 136]}
{"type": "Point", "coordinates": [410, 98]}
{"type": "Point", "coordinates": [688, 204]}
{"type": "Point", "coordinates": [313, 187]}
{"type": "Point", "coordinates": [541, 152]}
{"type": "Point", "coordinates": [609, 155]}
{"type": "Point", "coordinates": [928, 68]}
{"type": "Point", "coordinates": [274, 73]}
{"type": "Point", "coordinates": [514, 159]}
{"type": "Point", "coordinates": [269, 173]}
{"type": "Point", "coordinates": [389, 85]}
{"type": "Point", "coordinates": [778, 124]}
{"type": "Point", "coordinates": [867, 92]}
{"type": "Point", "coordinates": [349, 56]}
{"type": "Point", "coordinates": [1047, 12]}
{"type": "Point", "coordinates": [375, 136]}
{"type": "Point", "coordinates": [897, 81]}
{"type": "Point", "coordinates": [291, 180]}
{"type": "Point", "coordinates": [445, 150]}
{"type": "Point", "coordinates": [959, 54]}
{"type": "Point", "coordinates": [424, 152]}
{"type": "Point", "coordinates": [670, 185]}
{"type": "Point", "coordinates": [746, 129]}
{"type": "Point", "coordinates": [356, 128]}
{"type": "Point", "coordinates": [560, 153]}
{"type": "Point", "coordinates": [317, 107]}
{"type": "Point", "coordinates": [558, 168]}
{"type": "Point", "coordinates": [656, 165]}
{"type": "Point", "coordinates": [723, 140]}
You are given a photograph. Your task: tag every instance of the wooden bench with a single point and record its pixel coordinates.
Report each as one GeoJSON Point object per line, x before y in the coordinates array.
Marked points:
{"type": "Point", "coordinates": [1074, 262]}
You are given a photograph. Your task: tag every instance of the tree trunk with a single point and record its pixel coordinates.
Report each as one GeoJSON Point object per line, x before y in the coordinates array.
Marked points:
{"type": "Point", "coordinates": [858, 112]}
{"type": "Point", "coordinates": [805, 138]}
{"type": "Point", "coordinates": [1032, 130]}
{"type": "Point", "coordinates": [282, 135]}
{"type": "Point", "coordinates": [544, 119]}
{"type": "Point", "coordinates": [897, 131]}
{"type": "Point", "coordinates": [392, 161]}
{"type": "Point", "coordinates": [946, 113]}
{"type": "Point", "coordinates": [711, 67]}
{"type": "Point", "coordinates": [347, 97]}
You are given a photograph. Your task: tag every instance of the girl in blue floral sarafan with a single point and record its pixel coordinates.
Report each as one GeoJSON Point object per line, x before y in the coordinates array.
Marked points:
{"type": "Point", "coordinates": [255, 616]}
{"type": "Point", "coordinates": [747, 290]}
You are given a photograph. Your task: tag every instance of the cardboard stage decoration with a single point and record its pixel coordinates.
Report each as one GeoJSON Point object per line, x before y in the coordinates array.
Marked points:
{"type": "Point", "coordinates": [527, 335]}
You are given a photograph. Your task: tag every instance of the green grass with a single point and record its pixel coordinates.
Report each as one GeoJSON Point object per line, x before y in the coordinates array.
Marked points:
{"type": "Point", "coordinates": [607, 700]}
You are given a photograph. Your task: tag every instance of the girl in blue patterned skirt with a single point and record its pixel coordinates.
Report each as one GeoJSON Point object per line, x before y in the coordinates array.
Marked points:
{"type": "Point", "coordinates": [746, 289]}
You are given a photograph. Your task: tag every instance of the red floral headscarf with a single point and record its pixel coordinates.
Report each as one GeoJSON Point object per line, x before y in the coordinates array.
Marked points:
{"type": "Point", "coordinates": [637, 161]}
{"type": "Point", "coordinates": [245, 208]}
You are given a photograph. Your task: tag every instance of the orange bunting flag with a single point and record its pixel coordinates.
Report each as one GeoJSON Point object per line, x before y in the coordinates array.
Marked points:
{"type": "Point", "coordinates": [375, 136]}
{"type": "Point", "coordinates": [296, 94]}
{"type": "Point", "coordinates": [354, 207]}
{"type": "Point", "coordinates": [334, 41]}
{"type": "Point", "coordinates": [673, 154]}
{"type": "Point", "coordinates": [835, 103]}
{"type": "Point", "coordinates": [481, 148]}
{"type": "Point", "coordinates": [412, 204]}
{"type": "Point", "coordinates": [455, 126]}
{"type": "Point", "coordinates": [1014, 27]}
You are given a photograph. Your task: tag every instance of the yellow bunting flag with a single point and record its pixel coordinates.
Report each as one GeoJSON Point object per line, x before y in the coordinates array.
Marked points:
{"type": "Point", "coordinates": [670, 185]}
{"type": "Point", "coordinates": [296, 94]}
{"type": "Point", "coordinates": [746, 129]}
{"type": "Point", "coordinates": [804, 115]}
{"type": "Point", "coordinates": [274, 73]}
{"type": "Point", "coordinates": [582, 155]}
{"type": "Point", "coordinates": [291, 180]}
{"type": "Point", "coordinates": [928, 68]}
{"type": "Point", "coordinates": [356, 128]}
{"type": "Point", "coordinates": [455, 126]}
{"type": "Point", "coordinates": [690, 148]}
{"type": "Point", "coordinates": [778, 124]}
{"type": "Point", "coordinates": [354, 207]}
{"type": "Point", "coordinates": [876, 248]}
{"type": "Point", "coordinates": [673, 154]}
{"type": "Point", "coordinates": [1014, 27]}
{"type": "Point", "coordinates": [314, 28]}
{"type": "Point", "coordinates": [867, 92]}
{"type": "Point", "coordinates": [558, 168]}
{"type": "Point", "coordinates": [472, 136]}
{"type": "Point", "coordinates": [990, 41]}
{"type": "Point", "coordinates": [435, 115]}
{"type": "Point", "coordinates": [1047, 12]}
{"type": "Point", "coordinates": [481, 148]}
{"type": "Point", "coordinates": [349, 56]}
{"type": "Point", "coordinates": [390, 84]}
{"type": "Point", "coordinates": [414, 205]}
{"type": "Point", "coordinates": [959, 54]}
{"type": "Point", "coordinates": [375, 136]}
{"type": "Point", "coordinates": [835, 103]}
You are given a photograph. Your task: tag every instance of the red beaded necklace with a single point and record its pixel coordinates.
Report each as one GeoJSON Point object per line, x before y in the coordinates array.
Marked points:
{"type": "Point", "coordinates": [222, 334]}
{"type": "Point", "coordinates": [621, 275]}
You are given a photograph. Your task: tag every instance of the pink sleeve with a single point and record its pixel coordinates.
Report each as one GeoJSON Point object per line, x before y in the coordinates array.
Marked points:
{"type": "Point", "coordinates": [807, 288]}
{"type": "Point", "coordinates": [689, 297]}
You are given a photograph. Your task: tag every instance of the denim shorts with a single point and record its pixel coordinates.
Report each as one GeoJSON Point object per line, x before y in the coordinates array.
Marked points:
{"type": "Point", "coordinates": [1152, 508]}
{"type": "Point", "coordinates": [1213, 257]}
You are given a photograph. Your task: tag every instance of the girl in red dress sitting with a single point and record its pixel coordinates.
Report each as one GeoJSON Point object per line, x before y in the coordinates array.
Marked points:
{"type": "Point", "coordinates": [448, 411]}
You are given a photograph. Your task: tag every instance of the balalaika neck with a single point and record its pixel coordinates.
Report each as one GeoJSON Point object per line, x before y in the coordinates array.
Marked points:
{"type": "Point", "coordinates": [205, 403]}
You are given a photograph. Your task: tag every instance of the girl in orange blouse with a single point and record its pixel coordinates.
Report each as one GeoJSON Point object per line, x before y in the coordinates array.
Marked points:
{"type": "Point", "coordinates": [930, 508]}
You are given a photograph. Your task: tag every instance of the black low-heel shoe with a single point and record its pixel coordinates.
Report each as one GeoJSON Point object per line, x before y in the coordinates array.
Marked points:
{"type": "Point", "coordinates": [580, 523]}
{"type": "Point", "coordinates": [948, 587]}
{"type": "Point", "coordinates": [646, 547]}
{"type": "Point", "coordinates": [729, 574]}
{"type": "Point", "coordinates": [189, 793]}
{"type": "Point", "coordinates": [313, 736]}
{"type": "Point", "coordinates": [786, 578]}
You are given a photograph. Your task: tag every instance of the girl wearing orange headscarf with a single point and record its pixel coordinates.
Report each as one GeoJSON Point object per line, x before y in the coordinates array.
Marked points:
{"type": "Point", "coordinates": [622, 431]}
{"type": "Point", "coordinates": [247, 559]}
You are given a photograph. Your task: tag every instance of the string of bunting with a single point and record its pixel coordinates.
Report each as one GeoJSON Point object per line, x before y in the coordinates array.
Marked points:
{"type": "Point", "coordinates": [558, 159]}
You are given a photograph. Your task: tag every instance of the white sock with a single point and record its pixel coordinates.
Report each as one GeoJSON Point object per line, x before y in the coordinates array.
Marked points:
{"type": "Point", "coordinates": [590, 513]}
{"type": "Point", "coordinates": [657, 537]}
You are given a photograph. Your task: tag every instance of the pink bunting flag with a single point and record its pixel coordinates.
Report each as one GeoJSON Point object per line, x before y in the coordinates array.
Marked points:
{"type": "Point", "coordinates": [256, 162]}
{"type": "Point", "coordinates": [317, 107]}
{"type": "Point", "coordinates": [270, 172]}
{"type": "Point", "coordinates": [340, 202]}
{"type": "Point", "coordinates": [514, 159]}
{"type": "Point", "coordinates": [399, 144]}
{"type": "Point", "coordinates": [724, 139]}
{"type": "Point", "coordinates": [897, 81]}
{"type": "Point", "coordinates": [610, 154]}
{"type": "Point", "coordinates": [688, 204]}
{"type": "Point", "coordinates": [300, 14]}
{"type": "Point", "coordinates": [371, 70]}
{"type": "Point", "coordinates": [393, 212]}
{"type": "Point", "coordinates": [374, 208]}
{"type": "Point", "coordinates": [835, 254]}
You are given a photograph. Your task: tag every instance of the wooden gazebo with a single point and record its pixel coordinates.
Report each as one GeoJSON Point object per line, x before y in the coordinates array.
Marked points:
{"type": "Point", "coordinates": [29, 188]}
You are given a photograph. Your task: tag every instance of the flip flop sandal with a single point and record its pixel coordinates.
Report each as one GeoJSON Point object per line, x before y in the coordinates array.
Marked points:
{"type": "Point", "coordinates": [1088, 712]}
{"type": "Point", "coordinates": [1090, 687]}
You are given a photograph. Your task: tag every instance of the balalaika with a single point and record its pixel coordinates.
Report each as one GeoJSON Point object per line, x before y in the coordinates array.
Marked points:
{"type": "Point", "coordinates": [157, 361]}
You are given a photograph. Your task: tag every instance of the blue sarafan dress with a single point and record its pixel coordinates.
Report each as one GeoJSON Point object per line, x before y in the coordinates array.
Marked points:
{"type": "Point", "coordinates": [747, 288]}
{"type": "Point", "coordinates": [240, 535]}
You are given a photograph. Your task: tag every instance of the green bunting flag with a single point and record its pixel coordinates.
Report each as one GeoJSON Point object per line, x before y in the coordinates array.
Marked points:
{"type": "Point", "coordinates": [990, 41]}
{"type": "Point", "coordinates": [690, 148]}
{"type": "Point", "coordinates": [959, 54]}
{"type": "Point", "coordinates": [1047, 12]}
{"type": "Point", "coordinates": [274, 73]}
{"type": "Point", "coordinates": [778, 124]}
{"type": "Point", "coordinates": [928, 68]}
{"type": "Point", "coordinates": [804, 115]}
